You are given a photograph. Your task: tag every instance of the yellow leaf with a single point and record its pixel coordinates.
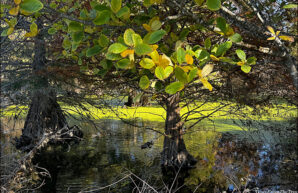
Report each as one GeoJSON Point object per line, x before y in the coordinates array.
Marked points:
{"type": "Point", "coordinates": [271, 29]}
{"type": "Point", "coordinates": [277, 33]}
{"type": "Point", "coordinates": [132, 57]}
{"type": "Point", "coordinates": [88, 29]}
{"type": "Point", "coordinates": [126, 53]}
{"type": "Point", "coordinates": [287, 38]}
{"type": "Point", "coordinates": [154, 47]}
{"type": "Point", "coordinates": [189, 59]}
{"type": "Point", "coordinates": [64, 53]}
{"type": "Point", "coordinates": [219, 32]}
{"type": "Point", "coordinates": [25, 12]}
{"type": "Point", "coordinates": [165, 61]}
{"type": "Point", "coordinates": [199, 73]}
{"type": "Point", "coordinates": [214, 58]}
{"type": "Point", "coordinates": [230, 31]}
{"type": "Point", "coordinates": [17, 2]}
{"type": "Point", "coordinates": [156, 18]}
{"type": "Point", "coordinates": [33, 31]}
{"type": "Point", "coordinates": [29, 35]}
{"type": "Point", "coordinates": [206, 84]}
{"type": "Point", "coordinates": [240, 63]}
{"type": "Point", "coordinates": [10, 30]}
{"type": "Point", "coordinates": [14, 11]}
{"type": "Point", "coordinates": [155, 56]}
{"type": "Point", "coordinates": [271, 38]}
{"type": "Point", "coordinates": [207, 70]}
{"type": "Point", "coordinates": [93, 59]}
{"type": "Point", "coordinates": [147, 27]}
{"type": "Point", "coordinates": [186, 68]}
{"type": "Point", "coordinates": [33, 28]}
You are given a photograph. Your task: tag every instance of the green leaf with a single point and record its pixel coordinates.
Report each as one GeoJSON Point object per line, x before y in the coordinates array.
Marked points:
{"type": "Point", "coordinates": [159, 72]}
{"type": "Point", "coordinates": [93, 51]}
{"type": "Point", "coordinates": [228, 60]}
{"type": "Point", "coordinates": [117, 48]}
{"type": "Point", "coordinates": [213, 4]}
{"type": "Point", "coordinates": [66, 44]}
{"type": "Point", "coordinates": [174, 87]}
{"type": "Point", "coordinates": [124, 12]}
{"type": "Point", "coordinates": [221, 24]}
{"type": "Point", "coordinates": [103, 17]}
{"type": "Point", "coordinates": [102, 72]}
{"type": "Point", "coordinates": [144, 82]}
{"type": "Point", "coordinates": [199, 2]}
{"type": "Point", "coordinates": [143, 49]}
{"type": "Point", "coordinates": [235, 37]}
{"type": "Point", "coordinates": [100, 7]}
{"type": "Point", "coordinates": [290, 6]}
{"type": "Point", "coordinates": [241, 54]}
{"type": "Point", "coordinates": [4, 32]}
{"type": "Point", "coordinates": [31, 6]}
{"type": "Point", "coordinates": [52, 31]}
{"type": "Point", "coordinates": [155, 25]}
{"type": "Point", "coordinates": [95, 71]}
{"type": "Point", "coordinates": [128, 37]}
{"type": "Point", "coordinates": [162, 73]}
{"type": "Point", "coordinates": [251, 60]}
{"type": "Point", "coordinates": [116, 5]}
{"type": "Point", "coordinates": [192, 74]}
{"type": "Point", "coordinates": [103, 41]}
{"type": "Point", "coordinates": [106, 64]}
{"type": "Point", "coordinates": [137, 39]}
{"type": "Point", "coordinates": [222, 48]}
{"type": "Point", "coordinates": [202, 55]}
{"type": "Point", "coordinates": [147, 63]}
{"type": "Point", "coordinates": [156, 36]}
{"type": "Point", "coordinates": [181, 55]}
{"type": "Point", "coordinates": [207, 43]}
{"type": "Point", "coordinates": [180, 75]}
{"type": "Point", "coordinates": [77, 36]}
{"type": "Point", "coordinates": [112, 56]}
{"type": "Point", "coordinates": [124, 63]}
{"type": "Point", "coordinates": [184, 33]}
{"type": "Point", "coordinates": [213, 49]}
{"type": "Point", "coordinates": [168, 71]}
{"type": "Point", "coordinates": [245, 68]}
{"type": "Point", "coordinates": [75, 26]}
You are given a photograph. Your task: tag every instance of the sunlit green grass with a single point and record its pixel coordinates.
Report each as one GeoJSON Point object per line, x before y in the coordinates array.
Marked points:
{"type": "Point", "coordinates": [219, 120]}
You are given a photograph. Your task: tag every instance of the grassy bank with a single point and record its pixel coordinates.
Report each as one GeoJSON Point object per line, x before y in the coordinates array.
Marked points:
{"type": "Point", "coordinates": [222, 116]}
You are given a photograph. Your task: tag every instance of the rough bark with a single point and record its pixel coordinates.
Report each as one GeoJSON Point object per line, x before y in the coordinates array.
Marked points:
{"type": "Point", "coordinates": [45, 115]}
{"type": "Point", "coordinates": [174, 152]}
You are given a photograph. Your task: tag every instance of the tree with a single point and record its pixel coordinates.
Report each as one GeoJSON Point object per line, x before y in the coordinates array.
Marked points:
{"type": "Point", "coordinates": [171, 50]}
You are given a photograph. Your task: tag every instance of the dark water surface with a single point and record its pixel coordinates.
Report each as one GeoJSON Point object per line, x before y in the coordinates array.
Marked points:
{"type": "Point", "coordinates": [226, 161]}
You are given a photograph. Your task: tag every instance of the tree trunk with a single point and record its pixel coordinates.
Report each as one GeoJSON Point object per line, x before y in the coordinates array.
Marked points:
{"type": "Point", "coordinates": [174, 150]}
{"type": "Point", "coordinates": [45, 115]}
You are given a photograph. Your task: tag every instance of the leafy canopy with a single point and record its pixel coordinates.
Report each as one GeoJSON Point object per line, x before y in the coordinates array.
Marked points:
{"type": "Point", "coordinates": [128, 39]}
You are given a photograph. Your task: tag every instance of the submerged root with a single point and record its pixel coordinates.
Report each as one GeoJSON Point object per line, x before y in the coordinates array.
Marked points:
{"type": "Point", "coordinates": [45, 118]}
{"type": "Point", "coordinates": [27, 176]}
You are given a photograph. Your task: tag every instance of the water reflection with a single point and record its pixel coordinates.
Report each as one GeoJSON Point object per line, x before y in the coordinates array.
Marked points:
{"type": "Point", "coordinates": [225, 162]}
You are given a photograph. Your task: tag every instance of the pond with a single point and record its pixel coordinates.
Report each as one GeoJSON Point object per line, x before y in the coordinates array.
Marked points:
{"type": "Point", "coordinates": [226, 161]}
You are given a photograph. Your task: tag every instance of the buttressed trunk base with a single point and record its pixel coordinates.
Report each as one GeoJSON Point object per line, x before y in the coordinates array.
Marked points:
{"type": "Point", "coordinates": [174, 150]}
{"type": "Point", "coordinates": [44, 117]}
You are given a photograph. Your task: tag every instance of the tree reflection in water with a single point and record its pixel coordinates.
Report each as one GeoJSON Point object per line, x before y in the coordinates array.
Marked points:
{"type": "Point", "coordinates": [225, 161]}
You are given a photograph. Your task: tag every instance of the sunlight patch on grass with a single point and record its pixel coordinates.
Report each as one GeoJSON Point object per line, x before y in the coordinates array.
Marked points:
{"type": "Point", "coordinates": [221, 120]}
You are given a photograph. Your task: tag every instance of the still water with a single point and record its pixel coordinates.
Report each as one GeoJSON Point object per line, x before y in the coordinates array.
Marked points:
{"type": "Point", "coordinates": [226, 161]}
